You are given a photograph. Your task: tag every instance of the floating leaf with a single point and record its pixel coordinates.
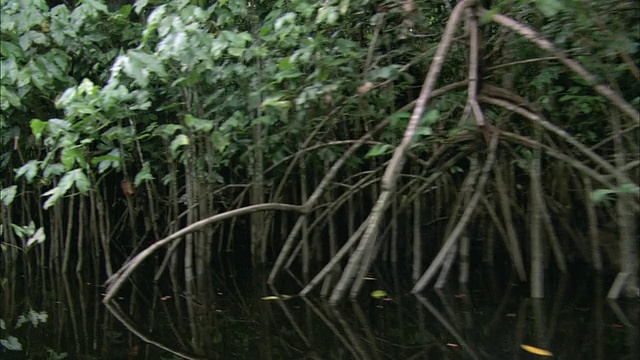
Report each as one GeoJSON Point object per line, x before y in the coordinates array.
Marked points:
{"type": "Point", "coordinates": [276, 297]}
{"type": "Point", "coordinates": [379, 294]}
{"type": "Point", "coordinates": [535, 350]}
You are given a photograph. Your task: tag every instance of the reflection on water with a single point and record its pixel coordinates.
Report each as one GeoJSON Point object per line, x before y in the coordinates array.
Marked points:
{"type": "Point", "coordinates": [238, 317]}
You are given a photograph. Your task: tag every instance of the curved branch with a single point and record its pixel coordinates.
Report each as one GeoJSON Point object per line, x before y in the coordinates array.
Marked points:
{"type": "Point", "coordinates": [117, 280]}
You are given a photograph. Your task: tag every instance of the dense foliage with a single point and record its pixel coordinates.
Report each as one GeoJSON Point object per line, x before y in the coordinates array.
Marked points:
{"type": "Point", "coordinates": [205, 107]}
{"type": "Point", "coordinates": [128, 126]}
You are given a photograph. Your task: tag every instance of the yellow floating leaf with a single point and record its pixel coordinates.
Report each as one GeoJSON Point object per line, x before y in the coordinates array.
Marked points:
{"type": "Point", "coordinates": [535, 350]}
{"type": "Point", "coordinates": [379, 294]}
{"type": "Point", "coordinates": [274, 297]}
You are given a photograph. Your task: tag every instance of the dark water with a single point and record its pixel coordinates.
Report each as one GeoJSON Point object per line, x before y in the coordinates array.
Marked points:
{"type": "Point", "coordinates": [489, 319]}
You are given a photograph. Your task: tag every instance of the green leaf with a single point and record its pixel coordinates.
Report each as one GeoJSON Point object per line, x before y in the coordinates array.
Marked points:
{"type": "Point", "coordinates": [198, 124]}
{"type": "Point", "coordinates": [605, 195]}
{"type": "Point", "coordinates": [8, 49]}
{"type": "Point", "coordinates": [379, 294]}
{"type": "Point", "coordinates": [82, 182]}
{"type": "Point", "coordinates": [424, 131]}
{"type": "Point", "coordinates": [38, 238]}
{"type": "Point", "coordinates": [430, 117]}
{"type": "Point", "coordinates": [22, 231]}
{"type": "Point", "coordinates": [29, 170]}
{"type": "Point", "coordinates": [148, 61]}
{"type": "Point", "coordinates": [142, 175]}
{"type": "Point", "coordinates": [274, 101]}
{"type": "Point", "coordinates": [399, 119]}
{"type": "Point", "coordinates": [76, 177]}
{"type": "Point", "coordinates": [72, 155]}
{"type": "Point", "coordinates": [104, 162]}
{"type": "Point", "coordinates": [288, 18]}
{"type": "Point", "coordinates": [167, 130]}
{"type": "Point", "coordinates": [550, 7]}
{"type": "Point", "coordinates": [38, 127]}
{"type": "Point", "coordinates": [96, 6]}
{"type": "Point", "coordinates": [33, 317]}
{"type": "Point", "coordinates": [134, 69]}
{"type": "Point", "coordinates": [344, 6]}
{"type": "Point", "coordinates": [9, 98]}
{"type": "Point", "coordinates": [58, 127]}
{"type": "Point", "coordinates": [628, 189]}
{"type": "Point", "coordinates": [53, 169]}
{"type": "Point", "coordinates": [11, 343]}
{"type": "Point", "coordinates": [488, 16]}
{"type": "Point", "coordinates": [220, 141]}
{"type": "Point", "coordinates": [8, 194]}
{"type": "Point", "coordinates": [378, 150]}
{"type": "Point", "coordinates": [387, 72]}
{"type": "Point", "coordinates": [264, 120]}
{"type": "Point", "coordinates": [179, 141]}
{"type": "Point", "coordinates": [234, 51]}
{"type": "Point", "coordinates": [139, 5]}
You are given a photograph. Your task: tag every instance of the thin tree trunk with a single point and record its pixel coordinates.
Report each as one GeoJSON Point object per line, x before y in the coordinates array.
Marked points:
{"type": "Point", "coordinates": [594, 234]}
{"type": "Point", "coordinates": [258, 240]}
{"type": "Point", "coordinates": [68, 234]}
{"type": "Point", "coordinates": [537, 268]}
{"type": "Point", "coordinates": [417, 239]}
{"type": "Point", "coordinates": [463, 277]}
{"type": "Point", "coordinates": [82, 222]}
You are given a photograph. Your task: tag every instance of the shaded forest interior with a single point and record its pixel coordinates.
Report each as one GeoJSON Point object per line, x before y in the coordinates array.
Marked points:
{"type": "Point", "coordinates": [320, 135]}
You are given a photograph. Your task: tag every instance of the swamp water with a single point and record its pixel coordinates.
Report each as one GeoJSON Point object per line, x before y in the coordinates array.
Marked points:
{"type": "Point", "coordinates": [241, 317]}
